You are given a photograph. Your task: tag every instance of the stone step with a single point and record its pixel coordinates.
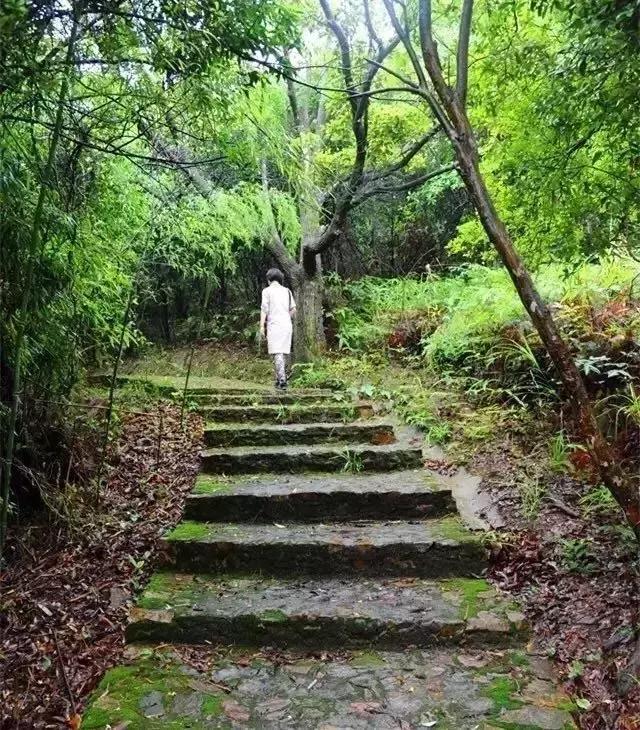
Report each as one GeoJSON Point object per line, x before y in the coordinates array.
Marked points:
{"type": "Point", "coordinates": [298, 433]}
{"type": "Point", "coordinates": [171, 384]}
{"type": "Point", "coordinates": [319, 497]}
{"type": "Point", "coordinates": [295, 459]}
{"type": "Point", "coordinates": [313, 413]}
{"type": "Point", "coordinates": [443, 688]}
{"type": "Point", "coordinates": [269, 398]}
{"type": "Point", "coordinates": [429, 549]}
{"type": "Point", "coordinates": [335, 613]}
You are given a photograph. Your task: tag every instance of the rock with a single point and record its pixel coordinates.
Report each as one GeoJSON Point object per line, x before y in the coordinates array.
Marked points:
{"type": "Point", "coordinates": [541, 690]}
{"type": "Point", "coordinates": [517, 619]}
{"type": "Point", "coordinates": [538, 717]}
{"type": "Point", "coordinates": [151, 705]}
{"type": "Point", "coordinates": [489, 622]}
{"type": "Point", "coordinates": [542, 667]}
{"type": "Point", "coordinates": [187, 705]}
{"type": "Point", "coordinates": [475, 662]}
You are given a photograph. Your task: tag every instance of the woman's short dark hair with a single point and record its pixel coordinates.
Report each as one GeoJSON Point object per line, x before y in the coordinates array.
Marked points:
{"type": "Point", "coordinates": [275, 275]}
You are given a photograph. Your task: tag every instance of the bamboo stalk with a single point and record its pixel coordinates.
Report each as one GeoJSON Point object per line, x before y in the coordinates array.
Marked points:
{"type": "Point", "coordinates": [207, 293]}
{"type": "Point", "coordinates": [35, 244]}
{"type": "Point", "coordinates": [112, 389]}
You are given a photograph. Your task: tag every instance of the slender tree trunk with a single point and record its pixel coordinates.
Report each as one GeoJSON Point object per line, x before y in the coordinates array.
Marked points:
{"type": "Point", "coordinates": [34, 247]}
{"type": "Point", "coordinates": [625, 492]}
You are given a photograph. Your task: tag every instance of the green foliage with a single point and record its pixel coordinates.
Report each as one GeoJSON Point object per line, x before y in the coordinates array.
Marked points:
{"type": "Point", "coordinates": [559, 451]}
{"type": "Point", "coordinates": [551, 101]}
{"type": "Point", "coordinates": [464, 317]}
{"type": "Point", "coordinates": [352, 462]}
{"type": "Point", "coordinates": [532, 491]}
{"type": "Point", "coordinates": [598, 502]}
{"type": "Point", "coordinates": [577, 555]}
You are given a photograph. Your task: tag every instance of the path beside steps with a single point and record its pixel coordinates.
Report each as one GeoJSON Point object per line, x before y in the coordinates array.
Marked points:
{"type": "Point", "coordinates": [328, 583]}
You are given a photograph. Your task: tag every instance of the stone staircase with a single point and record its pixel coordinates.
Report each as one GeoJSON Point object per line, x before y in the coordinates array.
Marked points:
{"type": "Point", "coordinates": [314, 530]}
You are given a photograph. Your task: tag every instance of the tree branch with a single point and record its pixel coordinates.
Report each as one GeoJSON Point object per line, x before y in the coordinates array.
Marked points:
{"type": "Point", "coordinates": [374, 38]}
{"type": "Point", "coordinates": [275, 243]}
{"type": "Point", "coordinates": [462, 74]}
{"type": "Point", "coordinates": [423, 84]}
{"type": "Point", "coordinates": [410, 184]}
{"type": "Point", "coordinates": [406, 158]}
{"type": "Point", "coordinates": [345, 51]}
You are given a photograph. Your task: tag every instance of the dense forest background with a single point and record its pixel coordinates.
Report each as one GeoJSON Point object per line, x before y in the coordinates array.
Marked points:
{"type": "Point", "coordinates": [429, 176]}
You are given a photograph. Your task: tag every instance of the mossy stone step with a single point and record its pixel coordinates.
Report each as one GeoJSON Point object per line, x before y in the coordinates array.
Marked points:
{"type": "Point", "coordinates": [430, 549]}
{"type": "Point", "coordinates": [319, 497]}
{"type": "Point", "coordinates": [335, 613]}
{"type": "Point", "coordinates": [175, 383]}
{"type": "Point", "coordinates": [298, 433]}
{"type": "Point", "coordinates": [296, 413]}
{"type": "Point", "coordinates": [363, 690]}
{"type": "Point", "coordinates": [268, 398]}
{"type": "Point", "coordinates": [292, 459]}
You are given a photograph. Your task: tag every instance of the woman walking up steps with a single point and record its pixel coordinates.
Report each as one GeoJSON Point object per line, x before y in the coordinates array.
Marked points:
{"type": "Point", "coordinates": [276, 314]}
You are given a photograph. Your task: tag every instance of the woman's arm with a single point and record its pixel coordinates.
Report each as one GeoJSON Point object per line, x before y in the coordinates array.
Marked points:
{"type": "Point", "coordinates": [264, 310]}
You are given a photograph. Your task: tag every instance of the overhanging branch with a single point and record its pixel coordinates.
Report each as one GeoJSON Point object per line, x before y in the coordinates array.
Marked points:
{"type": "Point", "coordinates": [410, 184]}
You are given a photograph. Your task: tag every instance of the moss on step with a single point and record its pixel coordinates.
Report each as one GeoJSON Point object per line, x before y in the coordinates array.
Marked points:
{"type": "Point", "coordinates": [206, 484]}
{"type": "Point", "coordinates": [452, 528]}
{"type": "Point", "coordinates": [367, 659]}
{"type": "Point", "coordinates": [474, 594]}
{"type": "Point", "coordinates": [145, 696]}
{"type": "Point", "coordinates": [164, 587]}
{"type": "Point", "coordinates": [188, 530]}
{"type": "Point", "coordinates": [501, 692]}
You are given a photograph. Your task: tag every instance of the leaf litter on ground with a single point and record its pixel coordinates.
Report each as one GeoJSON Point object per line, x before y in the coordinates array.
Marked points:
{"type": "Point", "coordinates": [66, 592]}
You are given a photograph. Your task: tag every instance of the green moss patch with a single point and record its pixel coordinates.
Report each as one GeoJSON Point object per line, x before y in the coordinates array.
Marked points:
{"type": "Point", "coordinates": [144, 696]}
{"type": "Point", "coordinates": [474, 594]}
{"type": "Point", "coordinates": [188, 530]}
{"type": "Point", "coordinates": [206, 484]}
{"type": "Point", "coordinates": [452, 528]}
{"type": "Point", "coordinates": [367, 659]}
{"type": "Point", "coordinates": [501, 691]}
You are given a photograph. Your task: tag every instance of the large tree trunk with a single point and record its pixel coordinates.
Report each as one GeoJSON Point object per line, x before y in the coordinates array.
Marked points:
{"type": "Point", "coordinates": [309, 338]}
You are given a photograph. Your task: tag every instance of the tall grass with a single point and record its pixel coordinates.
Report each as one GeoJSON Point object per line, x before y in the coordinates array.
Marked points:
{"type": "Point", "coordinates": [467, 308]}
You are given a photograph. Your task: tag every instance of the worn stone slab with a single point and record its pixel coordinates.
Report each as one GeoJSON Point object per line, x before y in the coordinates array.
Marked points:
{"type": "Point", "coordinates": [270, 398]}
{"type": "Point", "coordinates": [292, 459]}
{"type": "Point", "coordinates": [372, 432]}
{"type": "Point", "coordinates": [360, 691]}
{"type": "Point", "coordinates": [318, 497]}
{"type": "Point", "coordinates": [433, 548]}
{"type": "Point", "coordinates": [175, 383]}
{"type": "Point", "coordinates": [321, 613]}
{"type": "Point", "coordinates": [296, 413]}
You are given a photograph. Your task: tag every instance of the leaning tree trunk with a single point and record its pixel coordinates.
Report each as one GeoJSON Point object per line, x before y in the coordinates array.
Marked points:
{"type": "Point", "coordinates": [624, 490]}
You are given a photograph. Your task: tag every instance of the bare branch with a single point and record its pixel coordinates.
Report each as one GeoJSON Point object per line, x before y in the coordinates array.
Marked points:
{"type": "Point", "coordinates": [401, 77]}
{"type": "Point", "coordinates": [374, 38]}
{"type": "Point", "coordinates": [423, 83]}
{"type": "Point", "coordinates": [432, 63]}
{"type": "Point", "coordinates": [410, 184]}
{"type": "Point", "coordinates": [406, 158]}
{"type": "Point", "coordinates": [403, 34]}
{"type": "Point", "coordinates": [462, 78]}
{"type": "Point", "coordinates": [345, 50]}
{"type": "Point", "coordinates": [275, 243]}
